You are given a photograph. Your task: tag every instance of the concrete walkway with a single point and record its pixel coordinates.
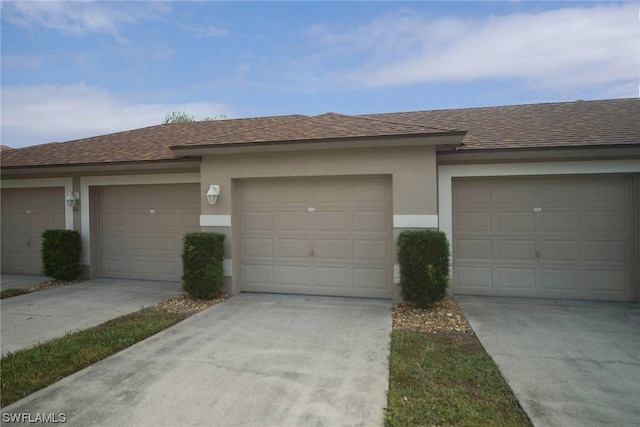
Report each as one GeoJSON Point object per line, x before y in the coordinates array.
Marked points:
{"type": "Point", "coordinates": [39, 316]}
{"type": "Point", "coordinates": [569, 363]}
{"type": "Point", "coordinates": [254, 360]}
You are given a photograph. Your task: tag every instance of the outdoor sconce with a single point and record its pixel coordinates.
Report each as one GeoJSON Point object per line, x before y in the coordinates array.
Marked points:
{"type": "Point", "coordinates": [72, 198]}
{"type": "Point", "coordinates": [212, 194]}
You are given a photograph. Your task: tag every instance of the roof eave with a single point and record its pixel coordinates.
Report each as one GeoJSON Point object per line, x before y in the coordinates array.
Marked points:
{"type": "Point", "coordinates": [430, 139]}
{"type": "Point", "coordinates": [527, 154]}
{"type": "Point", "coordinates": [137, 165]}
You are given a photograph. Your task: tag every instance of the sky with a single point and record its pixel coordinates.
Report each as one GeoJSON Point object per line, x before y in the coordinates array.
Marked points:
{"type": "Point", "coordinates": [76, 69]}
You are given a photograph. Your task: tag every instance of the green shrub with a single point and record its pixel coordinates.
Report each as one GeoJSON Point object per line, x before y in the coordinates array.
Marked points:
{"type": "Point", "coordinates": [424, 266]}
{"type": "Point", "coordinates": [61, 251]}
{"type": "Point", "coordinates": [202, 257]}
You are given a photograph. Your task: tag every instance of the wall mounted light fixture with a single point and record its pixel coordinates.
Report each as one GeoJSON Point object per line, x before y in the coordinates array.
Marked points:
{"type": "Point", "coordinates": [71, 198]}
{"type": "Point", "coordinates": [212, 194]}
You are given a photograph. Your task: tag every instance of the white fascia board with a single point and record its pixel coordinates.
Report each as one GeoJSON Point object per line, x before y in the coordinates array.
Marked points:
{"type": "Point", "coordinates": [67, 183]}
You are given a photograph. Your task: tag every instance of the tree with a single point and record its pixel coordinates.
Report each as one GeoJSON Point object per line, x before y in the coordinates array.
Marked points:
{"type": "Point", "coordinates": [178, 117]}
{"type": "Point", "coordinates": [182, 117]}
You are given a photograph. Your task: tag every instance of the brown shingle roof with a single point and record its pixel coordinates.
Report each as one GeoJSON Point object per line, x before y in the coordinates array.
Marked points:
{"type": "Point", "coordinates": [155, 142]}
{"type": "Point", "coordinates": [568, 124]}
{"type": "Point", "coordinates": [581, 123]}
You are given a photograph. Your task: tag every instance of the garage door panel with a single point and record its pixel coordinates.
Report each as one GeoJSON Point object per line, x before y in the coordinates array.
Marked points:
{"type": "Point", "coordinates": [474, 248]}
{"type": "Point", "coordinates": [607, 281]}
{"type": "Point", "coordinates": [370, 250]}
{"type": "Point", "coordinates": [293, 221]}
{"type": "Point", "coordinates": [293, 248]}
{"type": "Point", "coordinates": [474, 276]}
{"type": "Point", "coordinates": [298, 275]}
{"type": "Point", "coordinates": [373, 192]}
{"type": "Point", "coordinates": [606, 222]}
{"type": "Point", "coordinates": [560, 250]}
{"type": "Point", "coordinates": [508, 222]}
{"type": "Point", "coordinates": [257, 274]}
{"type": "Point", "coordinates": [260, 193]}
{"type": "Point", "coordinates": [474, 193]}
{"type": "Point", "coordinates": [258, 221]}
{"type": "Point", "coordinates": [606, 192]}
{"type": "Point", "coordinates": [370, 278]}
{"type": "Point", "coordinates": [329, 221]}
{"type": "Point", "coordinates": [520, 278]}
{"type": "Point", "coordinates": [370, 221]}
{"type": "Point", "coordinates": [292, 192]}
{"type": "Point", "coordinates": [331, 276]}
{"type": "Point", "coordinates": [257, 247]}
{"type": "Point", "coordinates": [606, 251]}
{"type": "Point", "coordinates": [557, 222]}
{"type": "Point", "coordinates": [333, 249]}
{"type": "Point", "coordinates": [473, 221]}
{"type": "Point", "coordinates": [554, 193]}
{"type": "Point", "coordinates": [169, 220]}
{"type": "Point", "coordinates": [329, 229]}
{"type": "Point", "coordinates": [335, 193]}
{"type": "Point", "coordinates": [516, 249]}
{"type": "Point", "coordinates": [560, 279]}
{"type": "Point", "coordinates": [512, 193]}
{"type": "Point", "coordinates": [572, 239]}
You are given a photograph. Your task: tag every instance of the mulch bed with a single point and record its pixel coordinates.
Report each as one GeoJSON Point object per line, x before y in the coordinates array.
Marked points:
{"type": "Point", "coordinates": [444, 316]}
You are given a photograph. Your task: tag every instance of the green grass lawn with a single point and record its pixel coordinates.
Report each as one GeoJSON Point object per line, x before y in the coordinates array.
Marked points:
{"type": "Point", "coordinates": [29, 370]}
{"type": "Point", "coordinates": [447, 379]}
{"type": "Point", "coordinates": [13, 292]}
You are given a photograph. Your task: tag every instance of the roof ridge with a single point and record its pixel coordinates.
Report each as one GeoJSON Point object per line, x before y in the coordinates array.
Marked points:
{"type": "Point", "coordinates": [404, 123]}
{"type": "Point", "coordinates": [528, 104]}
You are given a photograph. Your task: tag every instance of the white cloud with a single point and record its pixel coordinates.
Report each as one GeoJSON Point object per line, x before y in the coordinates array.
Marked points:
{"type": "Point", "coordinates": [206, 32]}
{"type": "Point", "coordinates": [571, 47]}
{"type": "Point", "coordinates": [41, 114]}
{"type": "Point", "coordinates": [79, 18]}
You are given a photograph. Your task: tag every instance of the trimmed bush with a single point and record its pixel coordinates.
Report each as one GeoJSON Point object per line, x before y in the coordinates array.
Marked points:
{"type": "Point", "coordinates": [424, 266]}
{"type": "Point", "coordinates": [202, 257]}
{"type": "Point", "coordinates": [61, 251]}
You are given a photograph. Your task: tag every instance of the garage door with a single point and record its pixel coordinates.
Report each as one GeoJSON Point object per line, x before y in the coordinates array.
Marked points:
{"type": "Point", "coordinates": [317, 236]}
{"type": "Point", "coordinates": [551, 237]}
{"type": "Point", "coordinates": [26, 213]}
{"type": "Point", "coordinates": [142, 229]}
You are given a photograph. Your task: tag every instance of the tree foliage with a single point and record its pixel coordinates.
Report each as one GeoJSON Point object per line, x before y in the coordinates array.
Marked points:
{"type": "Point", "coordinates": [178, 117]}
{"type": "Point", "coordinates": [182, 117]}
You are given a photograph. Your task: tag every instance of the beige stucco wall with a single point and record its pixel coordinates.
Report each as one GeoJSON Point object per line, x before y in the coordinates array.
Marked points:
{"type": "Point", "coordinates": [413, 171]}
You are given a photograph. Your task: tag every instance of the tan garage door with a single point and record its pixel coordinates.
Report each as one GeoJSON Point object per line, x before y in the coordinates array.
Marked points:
{"type": "Point", "coordinates": [26, 213]}
{"type": "Point", "coordinates": [142, 227]}
{"type": "Point", "coordinates": [317, 236]}
{"type": "Point", "coordinates": [551, 237]}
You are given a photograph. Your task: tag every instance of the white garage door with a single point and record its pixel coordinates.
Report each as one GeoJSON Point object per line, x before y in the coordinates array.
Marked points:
{"type": "Point", "coordinates": [551, 237]}
{"type": "Point", "coordinates": [26, 213]}
{"type": "Point", "coordinates": [142, 229]}
{"type": "Point", "coordinates": [317, 236]}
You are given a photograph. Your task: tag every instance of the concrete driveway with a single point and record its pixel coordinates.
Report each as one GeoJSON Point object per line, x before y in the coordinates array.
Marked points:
{"type": "Point", "coordinates": [569, 363]}
{"type": "Point", "coordinates": [254, 360]}
{"type": "Point", "coordinates": [28, 319]}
